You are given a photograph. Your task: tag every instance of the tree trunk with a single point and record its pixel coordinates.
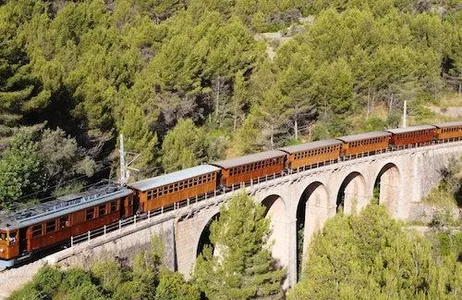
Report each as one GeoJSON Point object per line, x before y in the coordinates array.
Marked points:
{"type": "Point", "coordinates": [390, 103]}
{"type": "Point", "coordinates": [368, 103]}
{"type": "Point", "coordinates": [272, 137]}
{"type": "Point", "coordinates": [235, 116]}
{"type": "Point", "coordinates": [218, 98]}
{"type": "Point", "coordinates": [296, 128]}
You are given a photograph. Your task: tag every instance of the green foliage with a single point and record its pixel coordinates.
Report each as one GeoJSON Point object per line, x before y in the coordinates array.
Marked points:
{"type": "Point", "coordinates": [21, 170]}
{"type": "Point", "coordinates": [183, 146]}
{"type": "Point", "coordinates": [172, 286]}
{"type": "Point", "coordinates": [37, 160]}
{"type": "Point", "coordinates": [109, 279]}
{"type": "Point", "coordinates": [99, 68]}
{"type": "Point", "coordinates": [244, 267]}
{"type": "Point", "coordinates": [62, 157]}
{"type": "Point", "coordinates": [138, 138]}
{"type": "Point", "coordinates": [370, 255]}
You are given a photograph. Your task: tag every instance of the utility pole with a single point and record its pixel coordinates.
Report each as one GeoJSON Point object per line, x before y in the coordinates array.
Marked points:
{"type": "Point", "coordinates": [405, 114]}
{"type": "Point", "coordinates": [123, 172]}
{"type": "Point", "coordinates": [125, 167]}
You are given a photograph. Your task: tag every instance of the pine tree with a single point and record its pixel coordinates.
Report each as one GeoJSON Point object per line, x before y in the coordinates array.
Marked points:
{"type": "Point", "coordinates": [183, 146]}
{"type": "Point", "coordinates": [371, 256]}
{"type": "Point", "coordinates": [243, 267]}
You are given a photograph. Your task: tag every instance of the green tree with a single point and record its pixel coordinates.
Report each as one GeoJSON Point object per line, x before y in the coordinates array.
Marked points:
{"type": "Point", "coordinates": [183, 147]}
{"type": "Point", "coordinates": [370, 255]}
{"type": "Point", "coordinates": [17, 84]}
{"type": "Point", "coordinates": [138, 138]}
{"type": "Point", "coordinates": [62, 159]}
{"type": "Point", "coordinates": [172, 286]}
{"type": "Point", "coordinates": [244, 268]}
{"type": "Point", "coordinates": [21, 170]}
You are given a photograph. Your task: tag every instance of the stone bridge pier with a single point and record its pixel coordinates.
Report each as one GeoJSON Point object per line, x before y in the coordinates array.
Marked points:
{"type": "Point", "coordinates": [302, 202]}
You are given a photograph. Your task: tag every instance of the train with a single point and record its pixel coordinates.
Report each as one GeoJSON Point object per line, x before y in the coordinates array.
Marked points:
{"type": "Point", "coordinates": [35, 229]}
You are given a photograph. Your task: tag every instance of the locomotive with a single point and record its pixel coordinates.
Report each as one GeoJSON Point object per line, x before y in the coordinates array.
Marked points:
{"type": "Point", "coordinates": [53, 223]}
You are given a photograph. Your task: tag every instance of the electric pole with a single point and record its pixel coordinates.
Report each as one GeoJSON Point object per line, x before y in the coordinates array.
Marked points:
{"type": "Point", "coordinates": [125, 167]}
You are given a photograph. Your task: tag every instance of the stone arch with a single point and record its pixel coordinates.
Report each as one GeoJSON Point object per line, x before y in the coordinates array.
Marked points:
{"type": "Point", "coordinates": [279, 238]}
{"type": "Point", "coordinates": [352, 194]}
{"type": "Point", "coordinates": [387, 187]}
{"type": "Point", "coordinates": [204, 237]}
{"type": "Point", "coordinates": [312, 211]}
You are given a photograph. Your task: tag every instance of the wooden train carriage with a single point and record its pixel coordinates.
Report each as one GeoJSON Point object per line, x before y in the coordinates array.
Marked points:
{"type": "Point", "coordinates": [165, 190]}
{"type": "Point", "coordinates": [447, 131]}
{"type": "Point", "coordinates": [56, 221]}
{"type": "Point", "coordinates": [364, 143]}
{"type": "Point", "coordinates": [312, 153]}
{"type": "Point", "coordinates": [412, 136]}
{"type": "Point", "coordinates": [246, 168]}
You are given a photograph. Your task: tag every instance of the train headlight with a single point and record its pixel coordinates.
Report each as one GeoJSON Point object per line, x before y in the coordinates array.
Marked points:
{"type": "Point", "coordinates": [1, 250]}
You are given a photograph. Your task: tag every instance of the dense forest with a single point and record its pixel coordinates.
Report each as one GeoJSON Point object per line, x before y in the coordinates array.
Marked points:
{"type": "Point", "coordinates": [198, 80]}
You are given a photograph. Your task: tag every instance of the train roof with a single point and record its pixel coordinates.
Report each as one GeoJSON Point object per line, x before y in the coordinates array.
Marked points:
{"type": "Point", "coordinates": [310, 146]}
{"type": "Point", "coordinates": [61, 206]}
{"type": "Point", "coordinates": [248, 159]}
{"type": "Point", "coordinates": [154, 182]}
{"type": "Point", "coordinates": [448, 124]}
{"type": "Point", "coordinates": [410, 129]}
{"type": "Point", "coordinates": [363, 136]}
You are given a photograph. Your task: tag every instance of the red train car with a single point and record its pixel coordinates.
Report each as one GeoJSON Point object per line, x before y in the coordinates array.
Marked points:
{"type": "Point", "coordinates": [312, 153]}
{"type": "Point", "coordinates": [449, 131]}
{"type": "Point", "coordinates": [412, 136]}
{"type": "Point", "coordinates": [245, 168]}
{"type": "Point", "coordinates": [54, 222]}
{"type": "Point", "coordinates": [370, 142]}
{"type": "Point", "coordinates": [165, 190]}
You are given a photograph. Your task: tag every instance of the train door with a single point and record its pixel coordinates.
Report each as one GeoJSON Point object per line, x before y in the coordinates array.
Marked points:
{"type": "Point", "coordinates": [128, 208]}
{"type": "Point", "coordinates": [22, 240]}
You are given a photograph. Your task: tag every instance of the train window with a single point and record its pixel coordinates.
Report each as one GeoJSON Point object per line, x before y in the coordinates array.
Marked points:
{"type": "Point", "coordinates": [2, 236]}
{"type": "Point", "coordinates": [37, 230]}
{"type": "Point", "coordinates": [170, 189]}
{"type": "Point", "coordinates": [50, 226]}
{"type": "Point", "coordinates": [90, 214]}
{"type": "Point", "coordinates": [13, 236]}
{"type": "Point", "coordinates": [62, 223]}
{"type": "Point", "coordinates": [113, 206]}
{"type": "Point", "coordinates": [102, 209]}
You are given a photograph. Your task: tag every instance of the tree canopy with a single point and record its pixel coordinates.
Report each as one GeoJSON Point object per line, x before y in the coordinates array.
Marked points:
{"type": "Point", "coordinates": [370, 255]}
{"type": "Point", "coordinates": [242, 266]}
{"type": "Point", "coordinates": [243, 75]}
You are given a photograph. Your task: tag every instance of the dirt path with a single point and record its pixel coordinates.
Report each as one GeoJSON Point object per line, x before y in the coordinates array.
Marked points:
{"type": "Point", "coordinates": [14, 279]}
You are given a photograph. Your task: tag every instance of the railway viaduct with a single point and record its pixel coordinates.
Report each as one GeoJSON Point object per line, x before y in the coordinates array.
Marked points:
{"type": "Point", "coordinates": [305, 199]}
